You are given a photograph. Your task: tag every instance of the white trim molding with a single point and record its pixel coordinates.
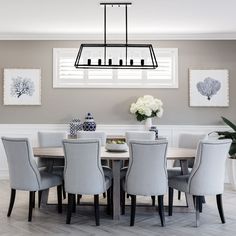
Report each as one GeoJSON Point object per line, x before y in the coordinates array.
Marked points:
{"type": "Point", "coordinates": [199, 36]}
{"type": "Point", "coordinates": [172, 132]}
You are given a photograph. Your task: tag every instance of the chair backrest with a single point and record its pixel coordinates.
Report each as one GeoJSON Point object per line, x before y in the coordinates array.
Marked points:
{"type": "Point", "coordinates": [83, 173]}
{"type": "Point", "coordinates": [51, 139]}
{"type": "Point", "coordinates": [23, 171]}
{"type": "Point", "coordinates": [190, 140]}
{"type": "Point", "coordinates": [207, 176]}
{"type": "Point", "coordinates": [147, 174]}
{"type": "Point", "coordinates": [139, 135]}
{"type": "Point", "coordinates": [93, 135]}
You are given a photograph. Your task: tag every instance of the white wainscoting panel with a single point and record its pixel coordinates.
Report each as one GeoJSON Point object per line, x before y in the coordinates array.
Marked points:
{"type": "Point", "coordinates": [30, 131]}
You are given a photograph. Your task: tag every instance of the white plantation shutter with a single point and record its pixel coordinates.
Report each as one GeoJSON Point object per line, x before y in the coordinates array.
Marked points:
{"type": "Point", "coordinates": [65, 75]}
{"type": "Point", "coordinates": [166, 75]}
{"type": "Point", "coordinates": [64, 72]}
{"type": "Point", "coordinates": [124, 74]}
{"type": "Point", "coordinates": [102, 74]}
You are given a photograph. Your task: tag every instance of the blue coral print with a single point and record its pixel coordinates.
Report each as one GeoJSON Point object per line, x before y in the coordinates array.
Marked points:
{"type": "Point", "coordinates": [22, 86]}
{"type": "Point", "coordinates": [209, 87]}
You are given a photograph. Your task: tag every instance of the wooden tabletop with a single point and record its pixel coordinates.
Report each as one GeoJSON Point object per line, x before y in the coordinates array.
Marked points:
{"type": "Point", "coordinates": [172, 153]}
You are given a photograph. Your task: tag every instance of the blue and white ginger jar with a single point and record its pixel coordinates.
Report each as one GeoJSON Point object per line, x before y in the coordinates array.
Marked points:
{"type": "Point", "coordinates": [89, 123]}
{"type": "Point", "coordinates": [75, 125]}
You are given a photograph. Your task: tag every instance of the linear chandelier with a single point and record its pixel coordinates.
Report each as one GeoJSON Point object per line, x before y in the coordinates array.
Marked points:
{"type": "Point", "coordinates": [113, 55]}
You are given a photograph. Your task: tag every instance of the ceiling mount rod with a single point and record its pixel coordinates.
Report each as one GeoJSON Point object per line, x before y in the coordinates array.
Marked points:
{"type": "Point", "coordinates": [126, 25]}
{"type": "Point", "coordinates": [105, 4]}
{"type": "Point", "coordinates": [115, 3]}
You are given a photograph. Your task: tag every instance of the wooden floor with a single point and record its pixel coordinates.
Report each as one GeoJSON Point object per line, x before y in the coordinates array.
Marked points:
{"type": "Point", "coordinates": [47, 221]}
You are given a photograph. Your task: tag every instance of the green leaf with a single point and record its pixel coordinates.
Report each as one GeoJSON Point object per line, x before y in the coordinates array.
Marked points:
{"type": "Point", "coordinates": [229, 123]}
{"type": "Point", "coordinates": [232, 150]}
{"type": "Point", "coordinates": [140, 117]}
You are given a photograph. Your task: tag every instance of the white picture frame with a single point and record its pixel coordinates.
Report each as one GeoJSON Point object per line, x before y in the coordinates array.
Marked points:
{"type": "Point", "coordinates": [209, 88]}
{"type": "Point", "coordinates": [22, 87]}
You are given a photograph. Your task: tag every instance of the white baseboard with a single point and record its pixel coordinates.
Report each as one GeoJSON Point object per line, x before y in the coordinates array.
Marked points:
{"type": "Point", "coordinates": [30, 131]}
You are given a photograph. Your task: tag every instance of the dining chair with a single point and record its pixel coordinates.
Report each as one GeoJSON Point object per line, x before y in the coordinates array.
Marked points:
{"type": "Point", "coordinates": [139, 135]}
{"type": "Point", "coordinates": [84, 173]}
{"type": "Point", "coordinates": [147, 174]}
{"type": "Point", "coordinates": [102, 136]}
{"type": "Point", "coordinates": [52, 140]}
{"type": "Point", "coordinates": [25, 175]}
{"type": "Point", "coordinates": [136, 135]}
{"type": "Point", "coordinates": [94, 135]}
{"type": "Point", "coordinates": [207, 176]}
{"type": "Point", "coordinates": [189, 141]}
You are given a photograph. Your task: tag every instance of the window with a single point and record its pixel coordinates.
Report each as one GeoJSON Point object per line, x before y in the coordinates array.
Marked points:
{"type": "Point", "coordinates": [65, 75]}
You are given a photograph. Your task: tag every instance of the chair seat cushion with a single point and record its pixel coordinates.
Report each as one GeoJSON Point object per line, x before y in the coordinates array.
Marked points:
{"type": "Point", "coordinates": [58, 170]}
{"type": "Point", "coordinates": [123, 172]}
{"type": "Point", "coordinates": [108, 176]}
{"type": "Point", "coordinates": [175, 171]}
{"type": "Point", "coordinates": [107, 172]}
{"type": "Point", "coordinates": [108, 182]}
{"type": "Point", "coordinates": [179, 182]}
{"type": "Point", "coordinates": [49, 180]}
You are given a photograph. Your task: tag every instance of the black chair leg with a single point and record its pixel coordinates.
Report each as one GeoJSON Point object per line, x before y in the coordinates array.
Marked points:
{"type": "Point", "coordinates": [34, 201]}
{"type": "Point", "coordinates": [59, 198]}
{"type": "Point", "coordinates": [79, 196]}
{"type": "Point", "coordinates": [161, 210]}
{"type": "Point", "coordinates": [197, 206]}
{"type": "Point", "coordinates": [122, 198]}
{"type": "Point", "coordinates": [171, 196]}
{"type": "Point", "coordinates": [31, 204]}
{"type": "Point", "coordinates": [63, 190]}
{"type": "Point", "coordinates": [153, 200]}
{"type": "Point", "coordinates": [96, 209]}
{"type": "Point", "coordinates": [39, 198]}
{"type": "Point", "coordinates": [200, 203]}
{"type": "Point", "coordinates": [203, 199]}
{"type": "Point", "coordinates": [109, 201]}
{"type": "Point", "coordinates": [179, 195]}
{"type": "Point", "coordinates": [133, 208]}
{"type": "Point", "coordinates": [69, 207]}
{"type": "Point", "coordinates": [74, 203]}
{"type": "Point", "coordinates": [12, 200]}
{"type": "Point", "coordinates": [220, 207]}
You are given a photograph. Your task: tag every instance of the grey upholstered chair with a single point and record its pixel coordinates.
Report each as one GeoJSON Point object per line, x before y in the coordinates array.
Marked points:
{"type": "Point", "coordinates": [52, 139]}
{"type": "Point", "coordinates": [102, 136]}
{"type": "Point", "coordinates": [24, 174]}
{"type": "Point", "coordinates": [207, 176]}
{"type": "Point", "coordinates": [94, 135]}
{"type": "Point", "coordinates": [147, 174]}
{"type": "Point", "coordinates": [190, 141]}
{"type": "Point", "coordinates": [84, 173]}
{"type": "Point", "coordinates": [136, 135]}
{"type": "Point", "coordinates": [55, 166]}
{"type": "Point", "coordinates": [139, 135]}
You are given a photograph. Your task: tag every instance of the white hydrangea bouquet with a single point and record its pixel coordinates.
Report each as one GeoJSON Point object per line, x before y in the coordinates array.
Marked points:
{"type": "Point", "coordinates": [147, 107]}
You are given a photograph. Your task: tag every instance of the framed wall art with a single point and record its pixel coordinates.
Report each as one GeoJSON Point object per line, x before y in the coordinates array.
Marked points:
{"type": "Point", "coordinates": [22, 87]}
{"type": "Point", "coordinates": [209, 88]}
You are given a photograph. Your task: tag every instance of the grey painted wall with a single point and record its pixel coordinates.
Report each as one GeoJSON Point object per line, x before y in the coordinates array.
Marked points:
{"type": "Point", "coordinates": [111, 106]}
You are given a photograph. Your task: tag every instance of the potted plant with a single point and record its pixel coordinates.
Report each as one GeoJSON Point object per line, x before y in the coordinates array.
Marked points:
{"type": "Point", "coordinates": [147, 107]}
{"type": "Point", "coordinates": [232, 151]}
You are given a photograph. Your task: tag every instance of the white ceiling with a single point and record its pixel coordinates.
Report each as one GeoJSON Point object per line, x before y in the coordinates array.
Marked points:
{"type": "Point", "coordinates": [148, 18]}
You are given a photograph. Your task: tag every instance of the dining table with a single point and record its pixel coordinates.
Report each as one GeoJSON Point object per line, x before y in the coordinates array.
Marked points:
{"type": "Point", "coordinates": [173, 153]}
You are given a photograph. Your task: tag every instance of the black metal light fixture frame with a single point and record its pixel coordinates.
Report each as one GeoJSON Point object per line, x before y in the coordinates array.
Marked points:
{"type": "Point", "coordinates": [107, 64]}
